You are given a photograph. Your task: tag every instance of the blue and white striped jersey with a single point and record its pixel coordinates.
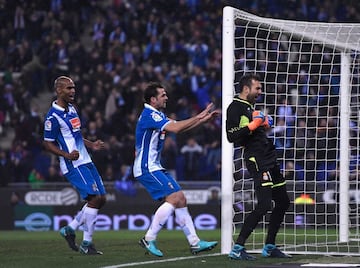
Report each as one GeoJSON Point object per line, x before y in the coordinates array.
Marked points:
{"type": "Point", "coordinates": [64, 127]}
{"type": "Point", "coordinates": [149, 140]}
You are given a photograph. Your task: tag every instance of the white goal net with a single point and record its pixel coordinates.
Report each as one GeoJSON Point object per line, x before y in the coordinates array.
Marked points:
{"type": "Point", "coordinates": [311, 86]}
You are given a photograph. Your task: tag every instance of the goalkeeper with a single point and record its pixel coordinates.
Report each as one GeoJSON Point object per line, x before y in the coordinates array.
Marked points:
{"type": "Point", "coordinates": [247, 127]}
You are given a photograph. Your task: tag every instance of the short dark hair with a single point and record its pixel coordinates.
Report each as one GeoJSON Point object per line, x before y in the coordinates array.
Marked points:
{"type": "Point", "coordinates": [60, 81]}
{"type": "Point", "coordinates": [151, 90]}
{"type": "Point", "coordinates": [246, 80]}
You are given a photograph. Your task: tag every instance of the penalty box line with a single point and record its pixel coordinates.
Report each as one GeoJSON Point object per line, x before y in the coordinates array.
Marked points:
{"type": "Point", "coordinates": [161, 260]}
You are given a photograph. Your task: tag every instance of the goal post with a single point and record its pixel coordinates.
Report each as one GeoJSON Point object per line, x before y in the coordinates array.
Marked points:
{"type": "Point", "coordinates": [227, 148]}
{"type": "Point", "coordinates": [344, 149]}
{"type": "Point", "coordinates": [311, 77]}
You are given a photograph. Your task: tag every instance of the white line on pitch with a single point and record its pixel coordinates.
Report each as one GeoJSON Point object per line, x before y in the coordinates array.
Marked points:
{"type": "Point", "coordinates": [337, 265]}
{"type": "Point", "coordinates": [160, 260]}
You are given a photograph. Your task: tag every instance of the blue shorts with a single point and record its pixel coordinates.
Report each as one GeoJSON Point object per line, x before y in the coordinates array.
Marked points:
{"type": "Point", "coordinates": [159, 184]}
{"type": "Point", "coordinates": [87, 180]}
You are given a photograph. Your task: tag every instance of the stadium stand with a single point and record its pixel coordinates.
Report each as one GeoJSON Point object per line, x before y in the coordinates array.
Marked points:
{"type": "Point", "coordinates": [111, 49]}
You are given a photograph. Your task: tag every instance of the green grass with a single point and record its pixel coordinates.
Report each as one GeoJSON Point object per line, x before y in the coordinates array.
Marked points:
{"type": "Point", "coordinates": [317, 239]}
{"type": "Point", "coordinates": [48, 249]}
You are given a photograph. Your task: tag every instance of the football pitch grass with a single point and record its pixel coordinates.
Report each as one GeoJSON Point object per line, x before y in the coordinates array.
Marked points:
{"type": "Point", "coordinates": [48, 249]}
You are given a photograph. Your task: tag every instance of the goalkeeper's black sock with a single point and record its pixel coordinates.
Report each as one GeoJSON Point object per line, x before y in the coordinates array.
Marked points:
{"type": "Point", "coordinates": [249, 224]}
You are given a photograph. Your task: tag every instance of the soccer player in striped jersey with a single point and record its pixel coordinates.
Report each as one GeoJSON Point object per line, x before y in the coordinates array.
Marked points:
{"type": "Point", "coordinates": [62, 137]}
{"type": "Point", "coordinates": [150, 134]}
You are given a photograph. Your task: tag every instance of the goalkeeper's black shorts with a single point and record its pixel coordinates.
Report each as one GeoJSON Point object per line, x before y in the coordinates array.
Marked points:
{"type": "Point", "coordinates": [266, 176]}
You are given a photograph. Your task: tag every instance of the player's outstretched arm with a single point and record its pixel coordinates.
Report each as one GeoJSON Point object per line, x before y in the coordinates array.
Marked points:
{"type": "Point", "coordinates": [96, 145]}
{"type": "Point", "coordinates": [202, 117]}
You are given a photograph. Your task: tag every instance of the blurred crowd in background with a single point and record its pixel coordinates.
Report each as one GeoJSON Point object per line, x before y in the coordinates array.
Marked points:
{"type": "Point", "coordinates": [112, 49]}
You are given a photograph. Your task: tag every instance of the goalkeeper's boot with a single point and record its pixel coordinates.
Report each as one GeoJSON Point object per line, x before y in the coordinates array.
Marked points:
{"type": "Point", "coordinates": [239, 253]}
{"type": "Point", "coordinates": [88, 248]}
{"type": "Point", "coordinates": [69, 234]}
{"type": "Point", "coordinates": [150, 246]}
{"type": "Point", "coordinates": [272, 251]}
{"type": "Point", "coordinates": [202, 246]}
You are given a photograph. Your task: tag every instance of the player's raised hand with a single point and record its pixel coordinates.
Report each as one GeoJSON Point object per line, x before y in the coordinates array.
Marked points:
{"type": "Point", "coordinates": [206, 111]}
{"type": "Point", "coordinates": [211, 115]}
{"type": "Point", "coordinates": [98, 145]}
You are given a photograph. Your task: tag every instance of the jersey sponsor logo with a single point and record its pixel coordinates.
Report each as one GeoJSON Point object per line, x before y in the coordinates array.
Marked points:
{"type": "Point", "coordinates": [48, 125]}
{"type": "Point", "coordinates": [234, 129]}
{"type": "Point", "coordinates": [75, 123]}
{"type": "Point", "coordinates": [156, 117]}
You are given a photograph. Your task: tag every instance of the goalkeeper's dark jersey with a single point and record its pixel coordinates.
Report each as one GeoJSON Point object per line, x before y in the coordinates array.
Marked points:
{"type": "Point", "coordinates": [257, 146]}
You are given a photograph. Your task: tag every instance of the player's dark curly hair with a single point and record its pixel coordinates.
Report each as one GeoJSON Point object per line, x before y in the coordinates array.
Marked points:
{"type": "Point", "coordinates": [151, 91]}
{"type": "Point", "coordinates": [246, 80]}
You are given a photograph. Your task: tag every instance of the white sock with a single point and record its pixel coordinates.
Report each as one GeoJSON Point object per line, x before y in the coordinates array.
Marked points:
{"type": "Point", "coordinates": [89, 223]}
{"type": "Point", "coordinates": [186, 223]}
{"type": "Point", "coordinates": [79, 219]}
{"type": "Point", "coordinates": [161, 216]}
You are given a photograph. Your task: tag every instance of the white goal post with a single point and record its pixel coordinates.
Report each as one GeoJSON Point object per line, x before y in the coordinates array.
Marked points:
{"type": "Point", "coordinates": [311, 86]}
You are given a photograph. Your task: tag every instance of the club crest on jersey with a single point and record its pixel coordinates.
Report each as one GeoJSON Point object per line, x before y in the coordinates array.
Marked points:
{"type": "Point", "coordinates": [156, 117]}
{"type": "Point", "coordinates": [48, 125]}
{"type": "Point", "coordinates": [75, 123]}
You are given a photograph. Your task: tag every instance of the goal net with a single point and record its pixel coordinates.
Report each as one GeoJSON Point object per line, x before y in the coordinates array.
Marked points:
{"type": "Point", "coordinates": [311, 81]}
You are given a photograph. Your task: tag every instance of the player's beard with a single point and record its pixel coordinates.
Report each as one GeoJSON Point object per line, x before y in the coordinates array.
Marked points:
{"type": "Point", "coordinates": [251, 99]}
{"type": "Point", "coordinates": [162, 107]}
